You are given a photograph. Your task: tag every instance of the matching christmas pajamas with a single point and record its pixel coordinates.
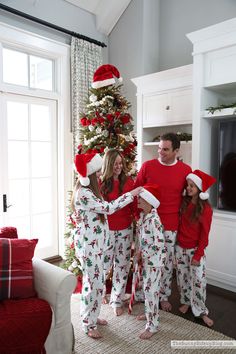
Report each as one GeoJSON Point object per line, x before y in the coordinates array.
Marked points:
{"type": "Point", "coordinates": [191, 281]}
{"type": "Point", "coordinates": [92, 241]}
{"type": "Point", "coordinates": [150, 242]}
{"type": "Point", "coordinates": [118, 255]}
{"type": "Point", "coordinates": [166, 279]}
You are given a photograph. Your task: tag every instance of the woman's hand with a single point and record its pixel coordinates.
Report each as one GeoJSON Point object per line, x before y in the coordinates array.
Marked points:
{"type": "Point", "coordinates": [136, 191]}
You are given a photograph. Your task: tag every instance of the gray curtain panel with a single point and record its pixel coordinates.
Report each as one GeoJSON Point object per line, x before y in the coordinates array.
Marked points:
{"type": "Point", "coordinates": [86, 57]}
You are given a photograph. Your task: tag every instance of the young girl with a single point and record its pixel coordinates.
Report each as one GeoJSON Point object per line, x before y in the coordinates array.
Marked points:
{"type": "Point", "coordinates": [192, 239]}
{"type": "Point", "coordinates": [150, 251]}
{"type": "Point", "coordinates": [92, 236]}
{"type": "Point", "coordinates": [115, 182]}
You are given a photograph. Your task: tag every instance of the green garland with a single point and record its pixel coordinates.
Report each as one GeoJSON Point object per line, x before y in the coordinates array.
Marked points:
{"type": "Point", "coordinates": [181, 136]}
{"type": "Point", "coordinates": [212, 110]}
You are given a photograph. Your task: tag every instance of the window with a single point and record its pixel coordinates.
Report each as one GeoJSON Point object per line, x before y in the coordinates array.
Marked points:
{"type": "Point", "coordinates": [35, 146]}
{"type": "Point", "coordinates": [27, 70]}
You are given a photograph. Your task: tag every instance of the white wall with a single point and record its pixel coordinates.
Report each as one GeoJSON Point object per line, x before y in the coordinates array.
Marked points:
{"type": "Point", "coordinates": [134, 43]}
{"type": "Point", "coordinates": [184, 16]}
{"type": "Point", "coordinates": [150, 35]}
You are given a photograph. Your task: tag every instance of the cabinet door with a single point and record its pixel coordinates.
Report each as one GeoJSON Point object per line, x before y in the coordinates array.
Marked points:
{"type": "Point", "coordinates": [155, 110]}
{"type": "Point", "coordinates": [180, 107]}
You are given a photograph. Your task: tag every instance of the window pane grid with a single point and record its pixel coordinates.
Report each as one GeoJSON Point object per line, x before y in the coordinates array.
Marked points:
{"type": "Point", "coordinates": [31, 71]}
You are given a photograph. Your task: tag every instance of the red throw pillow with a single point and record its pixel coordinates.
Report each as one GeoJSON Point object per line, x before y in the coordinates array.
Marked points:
{"type": "Point", "coordinates": [8, 232]}
{"type": "Point", "coordinates": [16, 269]}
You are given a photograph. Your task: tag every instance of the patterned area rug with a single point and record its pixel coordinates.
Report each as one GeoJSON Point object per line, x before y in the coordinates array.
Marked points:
{"type": "Point", "coordinates": [121, 334]}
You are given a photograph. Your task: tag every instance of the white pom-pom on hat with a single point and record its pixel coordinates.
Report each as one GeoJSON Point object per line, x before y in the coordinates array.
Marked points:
{"type": "Point", "coordinates": [106, 75]}
{"type": "Point", "coordinates": [204, 196]}
{"type": "Point", "coordinates": [203, 181]}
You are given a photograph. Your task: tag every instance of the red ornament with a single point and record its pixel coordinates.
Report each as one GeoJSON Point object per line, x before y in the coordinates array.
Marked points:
{"type": "Point", "coordinates": [84, 121]}
{"type": "Point", "coordinates": [94, 121]}
{"type": "Point", "coordinates": [125, 119]}
{"type": "Point", "coordinates": [110, 117]}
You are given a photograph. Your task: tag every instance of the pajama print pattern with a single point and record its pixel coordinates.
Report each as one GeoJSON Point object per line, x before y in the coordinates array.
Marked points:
{"type": "Point", "coordinates": [150, 241]}
{"type": "Point", "coordinates": [91, 243]}
{"type": "Point", "coordinates": [191, 281]}
{"type": "Point", "coordinates": [118, 255]}
{"type": "Point", "coordinates": [166, 279]}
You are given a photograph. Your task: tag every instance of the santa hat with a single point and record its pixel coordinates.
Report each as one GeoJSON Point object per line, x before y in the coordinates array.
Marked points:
{"type": "Point", "coordinates": [151, 193]}
{"type": "Point", "coordinates": [87, 164]}
{"type": "Point", "coordinates": [105, 75]}
{"type": "Point", "coordinates": [203, 181]}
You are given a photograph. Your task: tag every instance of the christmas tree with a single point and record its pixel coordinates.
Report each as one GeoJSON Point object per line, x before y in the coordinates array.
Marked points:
{"type": "Point", "coordinates": [71, 262]}
{"type": "Point", "coordinates": [105, 124]}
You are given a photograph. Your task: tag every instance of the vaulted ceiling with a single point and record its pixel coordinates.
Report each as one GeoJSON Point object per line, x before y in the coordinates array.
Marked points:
{"type": "Point", "coordinates": [107, 12]}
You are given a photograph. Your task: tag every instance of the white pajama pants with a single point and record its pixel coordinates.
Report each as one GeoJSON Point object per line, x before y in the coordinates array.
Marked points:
{"type": "Point", "coordinates": [92, 288]}
{"type": "Point", "coordinates": [167, 270]}
{"type": "Point", "coordinates": [191, 281]}
{"type": "Point", "coordinates": [151, 286]}
{"type": "Point", "coordinates": [118, 256]}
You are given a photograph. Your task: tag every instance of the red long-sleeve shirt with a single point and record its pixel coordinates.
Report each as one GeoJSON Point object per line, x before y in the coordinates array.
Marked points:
{"type": "Point", "coordinates": [195, 234]}
{"type": "Point", "coordinates": [122, 218]}
{"type": "Point", "coordinates": [172, 180]}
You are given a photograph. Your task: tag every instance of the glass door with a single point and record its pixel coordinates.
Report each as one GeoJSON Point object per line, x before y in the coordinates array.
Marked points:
{"type": "Point", "coordinates": [28, 158]}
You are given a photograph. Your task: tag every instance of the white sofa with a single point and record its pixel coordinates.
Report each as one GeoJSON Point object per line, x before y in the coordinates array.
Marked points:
{"type": "Point", "coordinates": [56, 286]}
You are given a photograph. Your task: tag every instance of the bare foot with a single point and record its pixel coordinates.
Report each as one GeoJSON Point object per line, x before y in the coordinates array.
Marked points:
{"type": "Point", "coordinates": [207, 320]}
{"type": "Point", "coordinates": [184, 308]}
{"type": "Point", "coordinates": [105, 300]}
{"type": "Point", "coordinates": [101, 322]}
{"type": "Point", "coordinates": [94, 333]}
{"type": "Point", "coordinates": [146, 334]}
{"type": "Point", "coordinates": [118, 311]}
{"type": "Point", "coordinates": [166, 306]}
{"type": "Point", "coordinates": [141, 317]}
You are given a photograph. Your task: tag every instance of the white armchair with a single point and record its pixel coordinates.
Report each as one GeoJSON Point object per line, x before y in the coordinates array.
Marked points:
{"type": "Point", "coordinates": [56, 286]}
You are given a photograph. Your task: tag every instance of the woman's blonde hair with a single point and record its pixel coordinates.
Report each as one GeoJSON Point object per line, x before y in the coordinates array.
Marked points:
{"type": "Point", "coordinates": [107, 172]}
{"type": "Point", "coordinates": [94, 188]}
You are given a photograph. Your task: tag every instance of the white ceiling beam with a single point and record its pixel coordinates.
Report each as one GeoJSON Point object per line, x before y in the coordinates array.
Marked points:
{"type": "Point", "coordinates": [108, 14]}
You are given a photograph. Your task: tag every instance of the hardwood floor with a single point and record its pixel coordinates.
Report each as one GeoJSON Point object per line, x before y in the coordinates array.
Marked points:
{"type": "Point", "coordinates": [222, 309]}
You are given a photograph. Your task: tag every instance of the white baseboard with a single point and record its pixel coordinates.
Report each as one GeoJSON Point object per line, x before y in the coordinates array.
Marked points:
{"type": "Point", "coordinates": [221, 280]}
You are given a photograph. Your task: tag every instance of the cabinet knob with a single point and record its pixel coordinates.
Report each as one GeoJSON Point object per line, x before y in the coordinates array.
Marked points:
{"type": "Point", "coordinates": [167, 108]}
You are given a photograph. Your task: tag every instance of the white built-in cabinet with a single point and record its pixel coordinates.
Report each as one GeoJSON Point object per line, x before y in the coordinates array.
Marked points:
{"type": "Point", "coordinates": [214, 83]}
{"type": "Point", "coordinates": [164, 104]}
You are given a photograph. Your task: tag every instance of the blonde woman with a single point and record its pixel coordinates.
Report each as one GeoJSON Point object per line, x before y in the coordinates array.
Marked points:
{"type": "Point", "coordinates": [116, 182]}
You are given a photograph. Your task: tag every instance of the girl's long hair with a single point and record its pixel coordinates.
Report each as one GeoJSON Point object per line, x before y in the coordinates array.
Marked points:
{"type": "Point", "coordinates": [197, 211]}
{"type": "Point", "coordinates": [107, 173]}
{"type": "Point", "coordinates": [94, 188]}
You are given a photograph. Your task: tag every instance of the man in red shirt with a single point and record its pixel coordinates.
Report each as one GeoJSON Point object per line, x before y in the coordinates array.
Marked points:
{"type": "Point", "coordinates": [170, 174]}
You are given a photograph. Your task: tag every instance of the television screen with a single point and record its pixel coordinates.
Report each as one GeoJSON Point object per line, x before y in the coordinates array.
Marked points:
{"type": "Point", "coordinates": [227, 165]}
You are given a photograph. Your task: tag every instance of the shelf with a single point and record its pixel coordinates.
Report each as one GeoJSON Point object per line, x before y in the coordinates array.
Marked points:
{"type": "Point", "coordinates": [155, 143]}
{"type": "Point", "coordinates": [223, 113]}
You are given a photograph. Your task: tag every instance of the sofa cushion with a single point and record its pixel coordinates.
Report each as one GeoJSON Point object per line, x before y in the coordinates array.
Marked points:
{"type": "Point", "coordinates": [8, 232]}
{"type": "Point", "coordinates": [16, 270]}
{"type": "Point", "coordinates": [24, 325]}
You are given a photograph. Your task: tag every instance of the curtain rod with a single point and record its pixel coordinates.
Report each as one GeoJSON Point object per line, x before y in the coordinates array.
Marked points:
{"type": "Point", "coordinates": [51, 25]}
